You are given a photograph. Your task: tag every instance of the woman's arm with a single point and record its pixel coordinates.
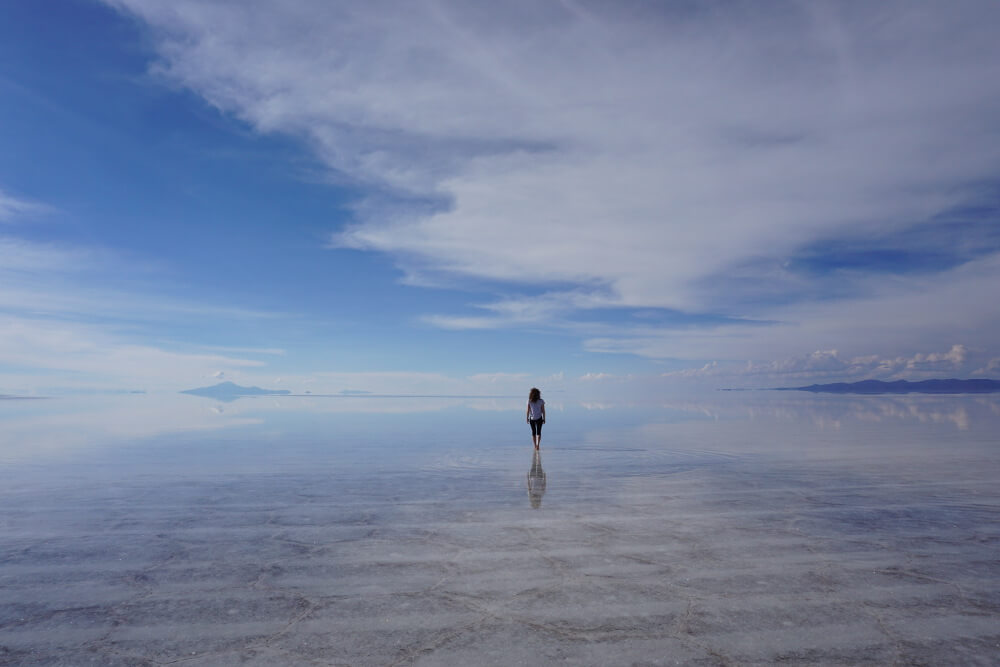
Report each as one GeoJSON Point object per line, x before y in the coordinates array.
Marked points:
{"type": "Point", "coordinates": [543, 413]}
{"type": "Point", "coordinates": [527, 413]}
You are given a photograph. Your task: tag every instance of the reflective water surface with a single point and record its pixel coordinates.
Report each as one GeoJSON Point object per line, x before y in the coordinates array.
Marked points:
{"type": "Point", "coordinates": [727, 528]}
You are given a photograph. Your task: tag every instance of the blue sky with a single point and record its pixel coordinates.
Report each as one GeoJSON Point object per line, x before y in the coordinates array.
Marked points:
{"type": "Point", "coordinates": [472, 197]}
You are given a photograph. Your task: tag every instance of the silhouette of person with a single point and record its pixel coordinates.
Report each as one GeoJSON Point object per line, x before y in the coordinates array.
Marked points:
{"type": "Point", "coordinates": [536, 480]}
{"type": "Point", "coordinates": [535, 415]}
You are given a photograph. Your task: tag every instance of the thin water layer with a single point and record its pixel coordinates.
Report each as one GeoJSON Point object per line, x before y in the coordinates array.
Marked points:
{"type": "Point", "coordinates": [725, 529]}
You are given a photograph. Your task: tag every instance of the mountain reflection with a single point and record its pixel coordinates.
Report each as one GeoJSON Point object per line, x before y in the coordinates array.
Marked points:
{"type": "Point", "coordinates": [536, 480]}
{"type": "Point", "coordinates": [831, 412]}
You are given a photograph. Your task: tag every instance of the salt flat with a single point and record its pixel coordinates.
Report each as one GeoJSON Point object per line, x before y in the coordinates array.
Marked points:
{"type": "Point", "coordinates": [739, 530]}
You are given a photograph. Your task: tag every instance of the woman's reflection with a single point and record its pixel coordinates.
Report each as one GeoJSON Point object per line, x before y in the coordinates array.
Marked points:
{"type": "Point", "coordinates": [536, 481]}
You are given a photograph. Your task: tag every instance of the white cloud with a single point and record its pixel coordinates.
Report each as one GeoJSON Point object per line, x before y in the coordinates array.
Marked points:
{"type": "Point", "coordinates": [711, 369]}
{"type": "Point", "coordinates": [59, 319]}
{"type": "Point", "coordinates": [460, 323]}
{"type": "Point", "coordinates": [23, 256]}
{"type": "Point", "coordinates": [550, 309]}
{"type": "Point", "coordinates": [831, 365]}
{"type": "Point", "coordinates": [91, 356]}
{"type": "Point", "coordinates": [13, 209]}
{"type": "Point", "coordinates": [640, 151]}
{"type": "Point", "coordinates": [596, 377]}
{"type": "Point", "coordinates": [60, 327]}
{"type": "Point", "coordinates": [270, 351]}
{"type": "Point", "coordinates": [992, 367]}
{"type": "Point", "coordinates": [659, 157]}
{"type": "Point", "coordinates": [74, 296]}
{"type": "Point", "coordinates": [895, 317]}
{"type": "Point", "coordinates": [424, 383]}
{"type": "Point", "coordinates": [953, 358]}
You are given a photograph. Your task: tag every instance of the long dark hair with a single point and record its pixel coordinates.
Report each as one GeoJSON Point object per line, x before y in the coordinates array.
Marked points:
{"type": "Point", "coordinates": [534, 394]}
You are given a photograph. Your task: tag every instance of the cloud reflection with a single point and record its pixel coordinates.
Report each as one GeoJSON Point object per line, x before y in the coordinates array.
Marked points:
{"type": "Point", "coordinates": [76, 428]}
{"type": "Point", "coordinates": [831, 412]}
{"type": "Point", "coordinates": [66, 427]}
{"type": "Point", "coordinates": [70, 426]}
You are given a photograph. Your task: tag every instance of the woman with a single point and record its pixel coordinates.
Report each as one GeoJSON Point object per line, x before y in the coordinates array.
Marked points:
{"type": "Point", "coordinates": [536, 415]}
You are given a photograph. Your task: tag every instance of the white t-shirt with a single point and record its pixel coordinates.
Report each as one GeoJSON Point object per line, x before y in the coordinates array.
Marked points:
{"type": "Point", "coordinates": [536, 408]}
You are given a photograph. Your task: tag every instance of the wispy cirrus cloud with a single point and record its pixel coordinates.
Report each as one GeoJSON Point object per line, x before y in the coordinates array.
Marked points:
{"type": "Point", "coordinates": [409, 382]}
{"type": "Point", "coordinates": [697, 158]}
{"type": "Point", "coordinates": [13, 209]}
{"type": "Point", "coordinates": [992, 366]}
{"type": "Point", "coordinates": [550, 309]}
{"type": "Point", "coordinates": [89, 317]}
{"type": "Point", "coordinates": [73, 280]}
{"type": "Point", "coordinates": [830, 364]}
{"type": "Point", "coordinates": [895, 317]}
{"type": "Point", "coordinates": [90, 356]}
{"type": "Point", "coordinates": [18, 255]}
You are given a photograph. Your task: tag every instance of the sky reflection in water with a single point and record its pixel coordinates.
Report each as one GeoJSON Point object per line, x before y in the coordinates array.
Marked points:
{"type": "Point", "coordinates": [743, 527]}
{"type": "Point", "coordinates": [173, 435]}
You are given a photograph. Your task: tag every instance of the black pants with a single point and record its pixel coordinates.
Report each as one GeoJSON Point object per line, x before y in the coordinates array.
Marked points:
{"type": "Point", "coordinates": [536, 426]}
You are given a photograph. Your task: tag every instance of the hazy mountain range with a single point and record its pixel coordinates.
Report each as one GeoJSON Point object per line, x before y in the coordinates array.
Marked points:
{"type": "Point", "coordinates": [949, 386]}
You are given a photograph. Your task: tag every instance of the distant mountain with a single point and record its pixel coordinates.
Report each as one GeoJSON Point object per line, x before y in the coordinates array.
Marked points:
{"type": "Point", "coordinates": [950, 386]}
{"type": "Point", "coordinates": [229, 391]}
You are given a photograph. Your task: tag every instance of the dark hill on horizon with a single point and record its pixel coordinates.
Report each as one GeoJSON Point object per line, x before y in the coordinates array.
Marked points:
{"type": "Point", "coordinates": [948, 386]}
{"type": "Point", "coordinates": [231, 391]}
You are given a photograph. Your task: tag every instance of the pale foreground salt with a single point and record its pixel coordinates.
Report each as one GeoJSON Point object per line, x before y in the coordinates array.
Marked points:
{"type": "Point", "coordinates": [737, 530]}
